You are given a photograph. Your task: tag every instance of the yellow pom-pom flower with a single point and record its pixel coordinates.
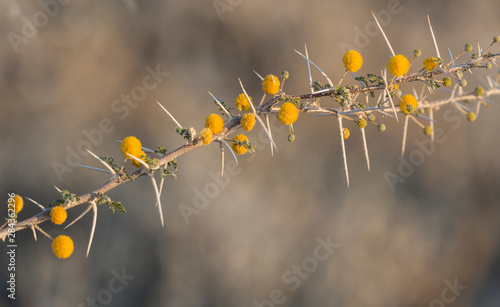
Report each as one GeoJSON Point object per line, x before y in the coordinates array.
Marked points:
{"type": "Point", "coordinates": [137, 163]}
{"type": "Point", "coordinates": [430, 63]}
{"type": "Point", "coordinates": [247, 121]}
{"type": "Point", "coordinates": [408, 104]}
{"type": "Point", "coordinates": [132, 146]}
{"type": "Point", "coordinates": [471, 116]}
{"type": "Point", "coordinates": [352, 60]}
{"type": "Point", "coordinates": [215, 123]}
{"type": "Point", "coordinates": [242, 102]}
{"type": "Point", "coordinates": [399, 65]}
{"type": "Point", "coordinates": [58, 215]}
{"type": "Point", "coordinates": [62, 246]}
{"type": "Point", "coordinates": [18, 203]}
{"type": "Point", "coordinates": [238, 148]}
{"type": "Point", "coordinates": [288, 113]}
{"type": "Point", "coordinates": [271, 85]}
{"type": "Point", "coordinates": [346, 133]}
{"type": "Point", "coordinates": [206, 134]}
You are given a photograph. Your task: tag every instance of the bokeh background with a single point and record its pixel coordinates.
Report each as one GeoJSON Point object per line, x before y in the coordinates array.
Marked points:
{"type": "Point", "coordinates": [400, 248]}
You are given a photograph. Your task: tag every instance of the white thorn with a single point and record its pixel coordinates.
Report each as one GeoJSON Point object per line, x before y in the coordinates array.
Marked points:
{"type": "Point", "coordinates": [365, 147]}
{"type": "Point", "coordinates": [92, 230]}
{"type": "Point", "coordinates": [103, 162]}
{"type": "Point", "coordinates": [433, 37]}
{"type": "Point", "coordinates": [94, 168]}
{"type": "Point", "coordinates": [138, 160]}
{"type": "Point", "coordinates": [386, 39]}
{"type": "Point", "coordinates": [173, 118]}
{"type": "Point", "coordinates": [248, 98]}
{"type": "Point", "coordinates": [312, 63]}
{"type": "Point", "coordinates": [262, 79]}
{"type": "Point", "coordinates": [231, 150]}
{"type": "Point", "coordinates": [405, 130]}
{"type": "Point", "coordinates": [267, 132]}
{"type": "Point", "coordinates": [40, 206]}
{"type": "Point", "coordinates": [343, 149]}
{"type": "Point", "coordinates": [153, 181]}
{"type": "Point", "coordinates": [80, 216]}
{"type": "Point", "coordinates": [220, 105]}
{"type": "Point", "coordinates": [308, 72]}
{"type": "Point", "coordinates": [34, 232]}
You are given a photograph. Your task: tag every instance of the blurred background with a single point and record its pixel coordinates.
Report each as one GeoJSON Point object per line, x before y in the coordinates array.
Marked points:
{"type": "Point", "coordinates": [74, 75]}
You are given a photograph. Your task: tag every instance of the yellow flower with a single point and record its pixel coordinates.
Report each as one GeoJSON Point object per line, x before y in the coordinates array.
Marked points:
{"type": "Point", "coordinates": [346, 133]}
{"type": "Point", "coordinates": [471, 116]}
{"type": "Point", "coordinates": [399, 65]}
{"type": "Point", "coordinates": [430, 63]}
{"type": "Point", "coordinates": [62, 246]}
{"type": "Point", "coordinates": [248, 121]}
{"type": "Point", "coordinates": [271, 85]}
{"type": "Point", "coordinates": [18, 204]}
{"type": "Point", "coordinates": [288, 113]}
{"type": "Point", "coordinates": [215, 123]}
{"type": "Point", "coordinates": [408, 104]}
{"type": "Point", "coordinates": [58, 215]}
{"type": "Point", "coordinates": [206, 134]}
{"type": "Point", "coordinates": [238, 148]}
{"type": "Point", "coordinates": [352, 60]}
{"type": "Point", "coordinates": [132, 146]}
{"type": "Point", "coordinates": [242, 102]}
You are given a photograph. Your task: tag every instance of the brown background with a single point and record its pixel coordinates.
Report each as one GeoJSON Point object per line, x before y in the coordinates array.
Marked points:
{"type": "Point", "coordinates": [396, 248]}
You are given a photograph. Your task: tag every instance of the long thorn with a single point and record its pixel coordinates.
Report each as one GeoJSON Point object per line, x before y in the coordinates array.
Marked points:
{"type": "Point", "coordinates": [312, 63]}
{"type": "Point", "coordinates": [230, 150]}
{"type": "Point", "coordinates": [383, 33]}
{"type": "Point", "coordinates": [405, 132]}
{"type": "Point", "coordinates": [220, 105]}
{"type": "Point", "coordinates": [92, 230]}
{"type": "Point", "coordinates": [80, 216]}
{"type": "Point", "coordinates": [40, 206]}
{"type": "Point", "coordinates": [433, 37]}
{"type": "Point", "coordinates": [343, 150]}
{"type": "Point", "coordinates": [366, 148]}
{"type": "Point", "coordinates": [308, 73]}
{"type": "Point", "coordinates": [153, 181]}
{"type": "Point", "coordinates": [173, 118]}
{"type": "Point", "coordinates": [103, 162]}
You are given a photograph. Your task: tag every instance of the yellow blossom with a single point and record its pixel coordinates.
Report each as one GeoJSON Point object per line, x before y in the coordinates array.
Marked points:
{"type": "Point", "coordinates": [239, 149]}
{"type": "Point", "coordinates": [399, 65]}
{"type": "Point", "coordinates": [271, 85]}
{"type": "Point", "coordinates": [242, 102]}
{"type": "Point", "coordinates": [206, 134]}
{"type": "Point", "coordinates": [288, 113]}
{"type": "Point", "coordinates": [132, 146]}
{"type": "Point", "coordinates": [18, 203]}
{"type": "Point", "coordinates": [215, 123]}
{"type": "Point", "coordinates": [352, 60]}
{"type": "Point", "coordinates": [408, 104]}
{"type": "Point", "coordinates": [62, 246]}
{"type": "Point", "coordinates": [430, 63]}
{"type": "Point", "coordinates": [247, 121]}
{"type": "Point", "coordinates": [58, 215]}
{"type": "Point", "coordinates": [346, 133]}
